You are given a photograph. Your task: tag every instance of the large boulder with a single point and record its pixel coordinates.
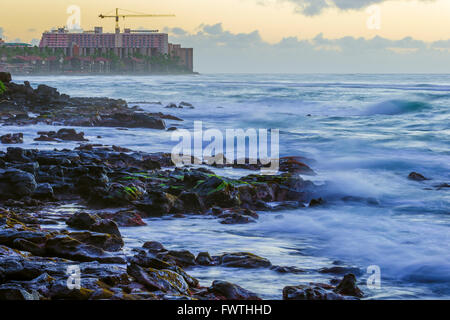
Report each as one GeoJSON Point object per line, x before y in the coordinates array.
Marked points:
{"type": "Point", "coordinates": [159, 280]}
{"type": "Point", "coordinates": [64, 246]}
{"type": "Point", "coordinates": [219, 192]}
{"type": "Point", "coordinates": [346, 289]}
{"type": "Point", "coordinates": [243, 260]}
{"type": "Point", "coordinates": [16, 183]}
{"type": "Point", "coordinates": [91, 222]}
{"type": "Point", "coordinates": [310, 292]}
{"type": "Point", "coordinates": [230, 291]}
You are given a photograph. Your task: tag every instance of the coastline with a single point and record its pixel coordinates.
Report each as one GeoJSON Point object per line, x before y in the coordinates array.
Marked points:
{"type": "Point", "coordinates": [136, 185]}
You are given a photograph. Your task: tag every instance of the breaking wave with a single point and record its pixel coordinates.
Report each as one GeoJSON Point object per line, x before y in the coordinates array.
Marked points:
{"type": "Point", "coordinates": [394, 107]}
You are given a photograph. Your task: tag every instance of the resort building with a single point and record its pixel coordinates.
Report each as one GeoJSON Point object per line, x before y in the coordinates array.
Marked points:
{"type": "Point", "coordinates": [130, 43]}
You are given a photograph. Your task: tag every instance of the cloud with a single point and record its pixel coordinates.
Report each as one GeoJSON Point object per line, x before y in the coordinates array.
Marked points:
{"type": "Point", "coordinates": [1, 32]}
{"type": "Point", "coordinates": [219, 50]}
{"type": "Point", "coordinates": [315, 7]}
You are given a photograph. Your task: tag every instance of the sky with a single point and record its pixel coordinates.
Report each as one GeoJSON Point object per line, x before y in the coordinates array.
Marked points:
{"type": "Point", "coordinates": [265, 36]}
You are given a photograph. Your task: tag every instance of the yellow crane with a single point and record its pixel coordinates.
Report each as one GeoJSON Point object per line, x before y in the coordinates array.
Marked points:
{"type": "Point", "coordinates": [134, 15]}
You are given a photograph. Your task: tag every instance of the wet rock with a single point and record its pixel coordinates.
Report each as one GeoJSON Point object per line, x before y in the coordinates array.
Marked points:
{"type": "Point", "coordinates": [204, 259]}
{"type": "Point", "coordinates": [281, 269]}
{"type": "Point", "coordinates": [348, 287]}
{"type": "Point", "coordinates": [238, 216]}
{"type": "Point", "coordinates": [416, 177]}
{"type": "Point", "coordinates": [60, 291]}
{"type": "Point", "coordinates": [230, 291]}
{"type": "Point", "coordinates": [316, 202]}
{"type": "Point", "coordinates": [131, 120]}
{"type": "Point", "coordinates": [171, 106]}
{"type": "Point", "coordinates": [106, 226]}
{"type": "Point", "coordinates": [185, 104]}
{"type": "Point", "coordinates": [62, 134]}
{"type": "Point", "coordinates": [149, 261]}
{"type": "Point", "coordinates": [312, 292]}
{"type": "Point", "coordinates": [157, 204]}
{"type": "Point", "coordinates": [8, 236]}
{"type": "Point", "coordinates": [66, 247]}
{"type": "Point", "coordinates": [104, 241]}
{"type": "Point", "coordinates": [86, 221]}
{"type": "Point", "coordinates": [43, 191]}
{"type": "Point", "coordinates": [159, 280]}
{"type": "Point", "coordinates": [235, 218]}
{"type": "Point", "coordinates": [191, 202]}
{"type": "Point", "coordinates": [295, 165]}
{"type": "Point", "coordinates": [12, 138]}
{"type": "Point", "coordinates": [16, 292]}
{"type": "Point", "coordinates": [82, 220]}
{"type": "Point", "coordinates": [154, 246]}
{"type": "Point", "coordinates": [442, 186]}
{"type": "Point", "coordinates": [243, 260]}
{"type": "Point", "coordinates": [217, 191]}
{"type": "Point", "coordinates": [125, 218]}
{"type": "Point", "coordinates": [16, 183]}
{"type": "Point", "coordinates": [182, 258]}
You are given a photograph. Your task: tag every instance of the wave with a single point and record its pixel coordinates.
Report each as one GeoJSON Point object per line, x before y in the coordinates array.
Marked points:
{"type": "Point", "coordinates": [395, 107]}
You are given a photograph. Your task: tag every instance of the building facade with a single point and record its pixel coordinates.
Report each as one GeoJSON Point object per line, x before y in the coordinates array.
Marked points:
{"type": "Point", "coordinates": [125, 45]}
{"type": "Point", "coordinates": [122, 44]}
{"type": "Point", "coordinates": [186, 55]}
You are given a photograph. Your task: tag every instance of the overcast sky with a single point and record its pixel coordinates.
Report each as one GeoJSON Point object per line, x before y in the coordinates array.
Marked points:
{"type": "Point", "coordinates": [271, 35]}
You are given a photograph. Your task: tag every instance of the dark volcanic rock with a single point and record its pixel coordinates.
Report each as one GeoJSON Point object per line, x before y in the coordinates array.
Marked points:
{"type": "Point", "coordinates": [43, 191]}
{"type": "Point", "coordinates": [131, 120]}
{"type": "Point", "coordinates": [16, 183]}
{"type": "Point", "coordinates": [312, 292]}
{"type": "Point", "coordinates": [348, 287]}
{"type": "Point", "coordinates": [66, 247]}
{"type": "Point", "coordinates": [416, 177]}
{"type": "Point", "coordinates": [281, 269]}
{"type": "Point", "coordinates": [12, 138]}
{"type": "Point", "coordinates": [62, 134]}
{"type": "Point", "coordinates": [86, 221]}
{"type": "Point", "coordinates": [82, 220]}
{"type": "Point", "coordinates": [182, 258]}
{"type": "Point", "coordinates": [53, 107]}
{"type": "Point", "coordinates": [230, 291]}
{"type": "Point", "coordinates": [243, 260]}
{"type": "Point", "coordinates": [154, 246]}
{"type": "Point", "coordinates": [204, 259]}
{"type": "Point", "coordinates": [158, 280]}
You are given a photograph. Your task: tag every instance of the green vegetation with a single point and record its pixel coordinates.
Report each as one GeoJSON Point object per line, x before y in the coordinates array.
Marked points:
{"type": "Point", "coordinates": [158, 63]}
{"type": "Point", "coordinates": [2, 88]}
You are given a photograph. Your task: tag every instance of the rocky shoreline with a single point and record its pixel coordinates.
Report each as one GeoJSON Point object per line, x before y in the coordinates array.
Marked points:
{"type": "Point", "coordinates": [120, 188]}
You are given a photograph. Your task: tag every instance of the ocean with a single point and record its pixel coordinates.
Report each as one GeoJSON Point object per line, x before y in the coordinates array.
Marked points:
{"type": "Point", "coordinates": [363, 133]}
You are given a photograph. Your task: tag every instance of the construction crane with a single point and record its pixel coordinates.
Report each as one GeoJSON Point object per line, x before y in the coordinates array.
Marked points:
{"type": "Point", "coordinates": [134, 15]}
